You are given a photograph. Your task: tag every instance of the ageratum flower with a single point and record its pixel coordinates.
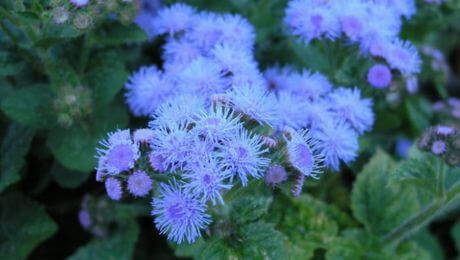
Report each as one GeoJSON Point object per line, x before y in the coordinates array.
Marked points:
{"type": "Point", "coordinates": [216, 123]}
{"type": "Point", "coordinates": [275, 175]}
{"type": "Point", "coordinates": [174, 144]}
{"type": "Point", "coordinates": [336, 141]}
{"type": "Point", "coordinates": [205, 32]}
{"type": "Point", "coordinates": [278, 78]}
{"type": "Point", "coordinates": [143, 135]}
{"type": "Point", "coordinates": [139, 184]}
{"type": "Point", "coordinates": [348, 105]}
{"type": "Point", "coordinates": [403, 56]}
{"type": "Point", "coordinates": [179, 214]}
{"type": "Point", "coordinates": [180, 52]}
{"type": "Point", "coordinates": [177, 110]}
{"type": "Point", "coordinates": [233, 59]}
{"type": "Point", "coordinates": [146, 90]}
{"type": "Point", "coordinates": [402, 7]}
{"type": "Point", "coordinates": [237, 31]}
{"type": "Point", "coordinates": [379, 76]}
{"type": "Point", "coordinates": [174, 19]}
{"type": "Point", "coordinates": [202, 77]}
{"type": "Point", "coordinates": [353, 18]}
{"type": "Point", "coordinates": [254, 102]}
{"type": "Point", "coordinates": [309, 85]}
{"type": "Point", "coordinates": [292, 110]}
{"type": "Point", "coordinates": [438, 147]}
{"type": "Point", "coordinates": [207, 179]}
{"type": "Point", "coordinates": [242, 154]}
{"type": "Point", "coordinates": [113, 188]}
{"type": "Point", "coordinates": [118, 153]}
{"type": "Point", "coordinates": [303, 152]}
{"type": "Point", "coordinates": [79, 3]}
{"type": "Point", "coordinates": [312, 19]}
{"type": "Point", "coordinates": [157, 162]}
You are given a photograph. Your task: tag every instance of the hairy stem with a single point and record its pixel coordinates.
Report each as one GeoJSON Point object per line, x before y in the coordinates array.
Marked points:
{"type": "Point", "coordinates": [423, 217]}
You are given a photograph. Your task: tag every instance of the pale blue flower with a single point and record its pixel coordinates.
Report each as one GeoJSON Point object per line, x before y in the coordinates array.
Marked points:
{"type": "Point", "coordinates": [118, 153]}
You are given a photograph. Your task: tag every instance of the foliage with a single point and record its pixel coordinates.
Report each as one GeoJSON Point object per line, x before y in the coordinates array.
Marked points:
{"type": "Point", "coordinates": [61, 91]}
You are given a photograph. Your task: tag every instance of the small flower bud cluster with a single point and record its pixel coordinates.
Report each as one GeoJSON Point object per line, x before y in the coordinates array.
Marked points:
{"type": "Point", "coordinates": [442, 141]}
{"type": "Point", "coordinates": [72, 103]}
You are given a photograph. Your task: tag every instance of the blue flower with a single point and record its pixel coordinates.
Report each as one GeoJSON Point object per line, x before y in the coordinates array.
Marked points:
{"type": "Point", "coordinates": [139, 184]}
{"type": "Point", "coordinates": [278, 78]}
{"type": "Point", "coordinates": [177, 110]}
{"type": "Point", "coordinates": [336, 141]}
{"type": "Point", "coordinates": [113, 188]}
{"type": "Point", "coordinates": [207, 179]}
{"type": "Point", "coordinates": [205, 32]}
{"type": "Point", "coordinates": [303, 152]}
{"type": "Point", "coordinates": [202, 77]}
{"type": "Point", "coordinates": [379, 76]}
{"type": "Point", "coordinates": [146, 89]}
{"type": "Point", "coordinates": [292, 110]}
{"type": "Point", "coordinates": [403, 56]}
{"type": "Point", "coordinates": [243, 156]}
{"type": "Point", "coordinates": [180, 52]}
{"type": "Point", "coordinates": [237, 31]}
{"type": "Point", "coordinates": [216, 123]}
{"type": "Point", "coordinates": [312, 19]}
{"type": "Point", "coordinates": [174, 19]}
{"type": "Point", "coordinates": [254, 102]}
{"type": "Point", "coordinates": [118, 153]}
{"type": "Point", "coordinates": [233, 59]}
{"type": "Point", "coordinates": [348, 105]}
{"type": "Point", "coordinates": [174, 144]}
{"type": "Point", "coordinates": [309, 85]}
{"type": "Point", "coordinates": [179, 214]}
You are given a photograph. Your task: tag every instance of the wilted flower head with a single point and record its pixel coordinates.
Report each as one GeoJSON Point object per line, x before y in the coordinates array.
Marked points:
{"type": "Point", "coordinates": [179, 214]}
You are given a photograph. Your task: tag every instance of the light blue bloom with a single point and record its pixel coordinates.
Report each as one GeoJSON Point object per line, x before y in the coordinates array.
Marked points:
{"type": "Point", "coordinates": [174, 19]}
{"type": "Point", "coordinates": [118, 153]}
{"type": "Point", "coordinates": [216, 123]}
{"type": "Point", "coordinates": [179, 214]}
{"type": "Point", "coordinates": [243, 156]}
{"type": "Point", "coordinates": [207, 179]}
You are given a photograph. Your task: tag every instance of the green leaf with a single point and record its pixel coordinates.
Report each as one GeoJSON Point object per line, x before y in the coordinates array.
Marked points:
{"type": "Point", "coordinates": [14, 147]}
{"type": "Point", "coordinates": [118, 34]}
{"type": "Point", "coordinates": [106, 77]}
{"type": "Point", "coordinates": [376, 203]}
{"type": "Point", "coordinates": [250, 207]}
{"type": "Point", "coordinates": [455, 232]}
{"type": "Point", "coordinates": [75, 148]}
{"type": "Point", "coordinates": [56, 33]}
{"type": "Point", "coordinates": [119, 245]}
{"type": "Point", "coordinates": [217, 249]}
{"type": "Point", "coordinates": [23, 225]}
{"type": "Point", "coordinates": [262, 240]}
{"type": "Point", "coordinates": [193, 250]}
{"type": "Point", "coordinates": [31, 106]}
{"type": "Point", "coordinates": [429, 243]}
{"type": "Point", "coordinates": [66, 178]}
{"type": "Point", "coordinates": [9, 65]}
{"type": "Point", "coordinates": [419, 112]}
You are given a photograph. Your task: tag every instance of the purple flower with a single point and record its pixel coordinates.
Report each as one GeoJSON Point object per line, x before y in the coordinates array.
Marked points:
{"type": "Point", "coordinates": [84, 218]}
{"type": "Point", "coordinates": [379, 76]}
{"type": "Point", "coordinates": [216, 123]}
{"type": "Point", "coordinates": [79, 3]}
{"type": "Point", "coordinates": [303, 152]}
{"type": "Point", "coordinates": [237, 31]}
{"type": "Point", "coordinates": [233, 59]}
{"type": "Point", "coordinates": [292, 110]}
{"type": "Point", "coordinates": [118, 154]}
{"type": "Point", "coordinates": [444, 130]}
{"type": "Point", "coordinates": [174, 19]}
{"type": "Point", "coordinates": [403, 146]}
{"type": "Point", "coordinates": [180, 52]}
{"type": "Point", "coordinates": [179, 214]}
{"type": "Point", "coordinates": [113, 188]}
{"type": "Point", "coordinates": [337, 141]}
{"type": "Point", "coordinates": [146, 90]}
{"type": "Point", "coordinates": [242, 154]}
{"type": "Point", "coordinates": [348, 105]}
{"type": "Point", "coordinates": [278, 78]}
{"type": "Point", "coordinates": [403, 56]}
{"type": "Point", "coordinates": [309, 85]}
{"type": "Point", "coordinates": [143, 135]}
{"type": "Point", "coordinates": [275, 175]}
{"type": "Point", "coordinates": [157, 162]}
{"type": "Point", "coordinates": [438, 147]}
{"type": "Point", "coordinates": [207, 179]}
{"type": "Point", "coordinates": [139, 184]}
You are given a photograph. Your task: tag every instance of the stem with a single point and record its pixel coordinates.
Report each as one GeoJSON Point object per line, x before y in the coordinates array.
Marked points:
{"type": "Point", "coordinates": [87, 44]}
{"type": "Point", "coordinates": [420, 219]}
{"type": "Point", "coordinates": [441, 186]}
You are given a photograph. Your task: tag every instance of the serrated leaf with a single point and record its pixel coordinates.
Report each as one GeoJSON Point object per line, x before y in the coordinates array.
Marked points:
{"type": "Point", "coordinates": [14, 147]}
{"type": "Point", "coordinates": [30, 106]}
{"type": "Point", "coordinates": [376, 203]}
{"type": "Point", "coordinates": [75, 148]}
{"type": "Point", "coordinates": [66, 178]}
{"type": "Point", "coordinates": [119, 245]}
{"type": "Point", "coordinates": [23, 225]}
{"type": "Point", "coordinates": [249, 208]}
{"type": "Point", "coordinates": [262, 240]}
{"type": "Point", "coordinates": [217, 249]}
{"type": "Point", "coordinates": [106, 77]}
{"type": "Point", "coordinates": [56, 33]}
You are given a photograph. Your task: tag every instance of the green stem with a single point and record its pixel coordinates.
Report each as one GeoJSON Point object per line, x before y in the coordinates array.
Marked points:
{"type": "Point", "coordinates": [87, 44]}
{"type": "Point", "coordinates": [423, 217]}
{"type": "Point", "coordinates": [441, 189]}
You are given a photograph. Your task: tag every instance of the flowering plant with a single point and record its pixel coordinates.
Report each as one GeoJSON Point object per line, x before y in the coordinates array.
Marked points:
{"type": "Point", "coordinates": [258, 129]}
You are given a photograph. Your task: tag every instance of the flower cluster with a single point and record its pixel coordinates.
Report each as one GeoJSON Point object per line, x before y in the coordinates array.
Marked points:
{"type": "Point", "coordinates": [442, 141]}
{"type": "Point", "coordinates": [372, 24]}
{"type": "Point", "coordinates": [215, 117]}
